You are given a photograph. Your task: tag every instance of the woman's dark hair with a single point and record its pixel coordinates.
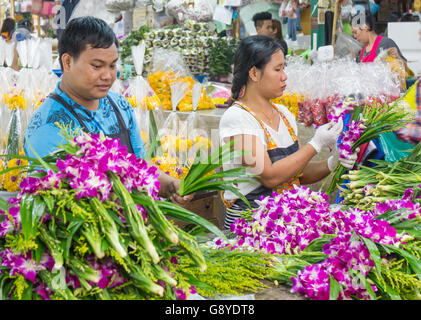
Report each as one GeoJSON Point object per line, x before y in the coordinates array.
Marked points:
{"type": "Point", "coordinates": [254, 51]}
{"type": "Point", "coordinates": [368, 20]}
{"type": "Point", "coordinates": [8, 25]}
{"type": "Point", "coordinates": [276, 24]}
{"type": "Point", "coordinates": [84, 31]}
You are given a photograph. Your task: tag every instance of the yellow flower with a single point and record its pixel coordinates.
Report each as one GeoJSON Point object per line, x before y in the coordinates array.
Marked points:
{"type": "Point", "coordinates": [145, 136]}
{"type": "Point", "coordinates": [12, 179]}
{"type": "Point", "coordinates": [2, 167]}
{"type": "Point", "coordinates": [202, 143]}
{"type": "Point", "coordinates": [168, 142]}
{"type": "Point", "coordinates": [183, 144]}
{"type": "Point", "coordinates": [14, 101]}
{"type": "Point", "coordinates": [132, 100]}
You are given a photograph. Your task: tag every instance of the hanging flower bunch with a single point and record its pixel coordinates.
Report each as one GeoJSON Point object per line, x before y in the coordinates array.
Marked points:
{"type": "Point", "coordinates": [288, 223]}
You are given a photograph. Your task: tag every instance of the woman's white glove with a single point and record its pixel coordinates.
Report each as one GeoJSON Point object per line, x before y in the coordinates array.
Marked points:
{"type": "Point", "coordinates": [347, 162]}
{"type": "Point", "coordinates": [327, 135]}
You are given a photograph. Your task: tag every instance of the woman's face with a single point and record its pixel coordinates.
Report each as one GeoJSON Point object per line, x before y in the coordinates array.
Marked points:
{"type": "Point", "coordinates": [272, 81]}
{"type": "Point", "coordinates": [360, 34]}
{"type": "Point", "coordinates": [274, 30]}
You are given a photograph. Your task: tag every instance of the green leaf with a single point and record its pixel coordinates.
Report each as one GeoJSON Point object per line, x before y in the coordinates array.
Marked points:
{"type": "Point", "coordinates": [333, 288]}
{"type": "Point", "coordinates": [3, 292]}
{"type": "Point", "coordinates": [375, 255]}
{"type": "Point", "coordinates": [367, 285]}
{"type": "Point", "coordinates": [27, 293]}
{"type": "Point", "coordinates": [26, 215]}
{"type": "Point", "coordinates": [66, 250]}
{"type": "Point", "coordinates": [38, 211]}
{"type": "Point", "coordinates": [413, 261]}
{"type": "Point", "coordinates": [4, 206]}
{"type": "Point", "coordinates": [50, 202]}
{"type": "Point", "coordinates": [413, 232]}
{"type": "Point", "coordinates": [39, 251]}
{"type": "Point", "coordinates": [176, 212]}
{"type": "Point", "coordinates": [317, 244]}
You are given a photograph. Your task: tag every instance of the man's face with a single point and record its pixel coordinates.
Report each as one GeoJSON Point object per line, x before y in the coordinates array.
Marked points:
{"type": "Point", "coordinates": [93, 73]}
{"type": "Point", "coordinates": [266, 28]}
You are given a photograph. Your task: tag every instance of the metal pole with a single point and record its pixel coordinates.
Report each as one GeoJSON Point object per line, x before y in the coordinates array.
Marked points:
{"type": "Point", "coordinates": [39, 25]}
{"type": "Point", "coordinates": [335, 21]}
{"type": "Point", "coordinates": [12, 9]}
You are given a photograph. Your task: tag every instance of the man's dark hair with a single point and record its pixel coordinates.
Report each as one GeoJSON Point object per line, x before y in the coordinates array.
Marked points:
{"type": "Point", "coordinates": [84, 31]}
{"type": "Point", "coordinates": [258, 18]}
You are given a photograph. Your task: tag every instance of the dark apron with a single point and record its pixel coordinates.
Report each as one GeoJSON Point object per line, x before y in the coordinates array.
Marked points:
{"type": "Point", "coordinates": [274, 155]}
{"type": "Point", "coordinates": [123, 135]}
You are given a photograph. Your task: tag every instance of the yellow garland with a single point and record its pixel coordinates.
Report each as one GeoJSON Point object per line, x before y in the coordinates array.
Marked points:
{"type": "Point", "coordinates": [161, 82]}
{"type": "Point", "coordinates": [291, 101]}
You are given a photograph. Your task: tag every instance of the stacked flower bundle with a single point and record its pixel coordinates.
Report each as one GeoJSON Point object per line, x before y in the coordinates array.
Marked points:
{"type": "Point", "coordinates": [385, 181]}
{"type": "Point", "coordinates": [367, 123]}
{"type": "Point", "coordinates": [92, 226]}
{"type": "Point", "coordinates": [337, 253]}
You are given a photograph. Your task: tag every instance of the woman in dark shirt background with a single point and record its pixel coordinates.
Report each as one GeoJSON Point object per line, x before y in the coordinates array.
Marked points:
{"type": "Point", "coordinates": [277, 34]}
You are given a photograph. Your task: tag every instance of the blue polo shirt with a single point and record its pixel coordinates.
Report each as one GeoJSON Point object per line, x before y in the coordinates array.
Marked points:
{"type": "Point", "coordinates": [44, 136]}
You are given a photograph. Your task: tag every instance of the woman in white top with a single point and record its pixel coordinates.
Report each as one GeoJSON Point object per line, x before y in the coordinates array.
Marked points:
{"type": "Point", "coordinates": [267, 133]}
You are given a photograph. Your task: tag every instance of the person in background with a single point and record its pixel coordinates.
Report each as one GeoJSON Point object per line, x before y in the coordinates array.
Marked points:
{"type": "Point", "coordinates": [263, 23]}
{"type": "Point", "coordinates": [68, 6]}
{"type": "Point", "coordinates": [88, 54]}
{"type": "Point", "coordinates": [23, 31]}
{"type": "Point", "coordinates": [277, 34]}
{"type": "Point", "coordinates": [292, 20]}
{"type": "Point", "coordinates": [412, 132]}
{"type": "Point", "coordinates": [363, 31]}
{"type": "Point", "coordinates": [267, 133]}
{"type": "Point", "coordinates": [7, 28]}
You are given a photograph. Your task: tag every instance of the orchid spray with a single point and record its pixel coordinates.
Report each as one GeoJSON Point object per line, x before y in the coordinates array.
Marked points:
{"type": "Point", "coordinates": [367, 123]}
{"type": "Point", "coordinates": [289, 224]}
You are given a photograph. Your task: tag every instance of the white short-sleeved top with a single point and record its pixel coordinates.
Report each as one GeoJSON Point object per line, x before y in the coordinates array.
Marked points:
{"type": "Point", "coordinates": [237, 121]}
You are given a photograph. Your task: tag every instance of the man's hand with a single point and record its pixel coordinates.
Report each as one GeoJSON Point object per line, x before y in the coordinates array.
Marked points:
{"type": "Point", "coordinates": [172, 190]}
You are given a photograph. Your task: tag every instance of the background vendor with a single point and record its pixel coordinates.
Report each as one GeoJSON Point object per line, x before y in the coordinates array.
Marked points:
{"type": "Point", "coordinates": [263, 23]}
{"type": "Point", "coordinates": [267, 133]}
{"type": "Point", "coordinates": [88, 52]}
{"type": "Point", "coordinates": [363, 31]}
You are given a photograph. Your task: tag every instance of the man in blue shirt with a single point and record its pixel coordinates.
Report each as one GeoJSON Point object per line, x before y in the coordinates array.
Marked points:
{"type": "Point", "coordinates": [88, 53]}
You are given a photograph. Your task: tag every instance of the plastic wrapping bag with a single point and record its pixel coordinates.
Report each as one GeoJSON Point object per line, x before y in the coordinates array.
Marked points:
{"type": "Point", "coordinates": [119, 5]}
{"type": "Point", "coordinates": [44, 58]}
{"type": "Point", "coordinates": [183, 10]}
{"type": "Point", "coordinates": [22, 48]}
{"type": "Point", "coordinates": [164, 60]}
{"type": "Point", "coordinates": [2, 52]}
{"type": "Point", "coordinates": [9, 53]}
{"type": "Point", "coordinates": [337, 80]}
{"type": "Point", "coordinates": [138, 54]}
{"type": "Point", "coordinates": [346, 45]}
